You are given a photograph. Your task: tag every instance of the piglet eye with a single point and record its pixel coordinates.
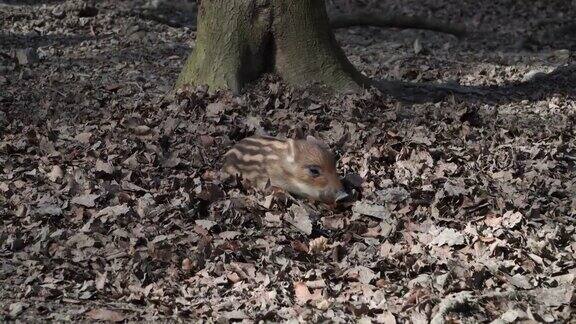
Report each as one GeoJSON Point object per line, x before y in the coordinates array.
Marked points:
{"type": "Point", "coordinates": [314, 171]}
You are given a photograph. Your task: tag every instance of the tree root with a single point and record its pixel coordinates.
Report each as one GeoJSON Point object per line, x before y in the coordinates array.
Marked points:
{"type": "Point", "coordinates": [394, 21]}
{"type": "Point", "coordinates": [456, 300]}
{"type": "Point", "coordinates": [416, 92]}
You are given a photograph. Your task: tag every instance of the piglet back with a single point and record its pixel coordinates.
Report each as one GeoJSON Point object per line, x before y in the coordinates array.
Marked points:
{"type": "Point", "coordinates": [252, 157]}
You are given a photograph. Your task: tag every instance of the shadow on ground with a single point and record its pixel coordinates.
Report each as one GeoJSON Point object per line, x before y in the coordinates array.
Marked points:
{"type": "Point", "coordinates": [13, 41]}
{"type": "Point", "coordinates": [29, 2]}
{"type": "Point", "coordinates": [559, 82]}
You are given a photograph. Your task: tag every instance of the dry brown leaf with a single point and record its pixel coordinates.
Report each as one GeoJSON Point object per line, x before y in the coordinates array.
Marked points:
{"type": "Point", "coordinates": [105, 167]}
{"type": "Point", "coordinates": [83, 138]}
{"type": "Point", "coordinates": [215, 109]}
{"type": "Point", "coordinates": [114, 210]}
{"type": "Point", "coordinates": [362, 274]}
{"type": "Point", "coordinates": [303, 295]}
{"type": "Point", "coordinates": [447, 236]}
{"type": "Point", "coordinates": [103, 314]}
{"type": "Point", "coordinates": [300, 219]}
{"type": "Point", "coordinates": [318, 245]}
{"type": "Point", "coordinates": [206, 223]}
{"type": "Point", "coordinates": [368, 209]}
{"type": "Point", "coordinates": [87, 200]}
{"type": "Point", "coordinates": [101, 279]}
{"type": "Point", "coordinates": [16, 309]}
{"type": "Point", "coordinates": [186, 265]}
{"type": "Point", "coordinates": [55, 173]}
{"type": "Point", "coordinates": [141, 130]}
{"type": "Point", "coordinates": [510, 219]}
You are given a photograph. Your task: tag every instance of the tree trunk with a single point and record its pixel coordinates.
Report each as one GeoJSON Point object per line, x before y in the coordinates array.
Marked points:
{"type": "Point", "coordinates": [238, 40]}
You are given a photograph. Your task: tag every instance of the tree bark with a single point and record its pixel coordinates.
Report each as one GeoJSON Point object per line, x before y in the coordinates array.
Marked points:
{"type": "Point", "coordinates": [232, 44]}
{"type": "Point", "coordinates": [305, 47]}
{"type": "Point", "coordinates": [238, 40]}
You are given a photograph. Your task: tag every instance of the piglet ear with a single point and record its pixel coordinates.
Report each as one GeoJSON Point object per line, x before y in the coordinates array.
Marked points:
{"type": "Point", "coordinates": [316, 141]}
{"type": "Point", "coordinates": [298, 133]}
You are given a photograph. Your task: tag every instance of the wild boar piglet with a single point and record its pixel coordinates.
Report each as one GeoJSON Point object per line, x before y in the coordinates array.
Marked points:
{"type": "Point", "coordinates": [304, 167]}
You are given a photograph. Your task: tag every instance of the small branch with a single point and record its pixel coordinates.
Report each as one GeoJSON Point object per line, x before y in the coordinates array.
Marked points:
{"type": "Point", "coordinates": [394, 21]}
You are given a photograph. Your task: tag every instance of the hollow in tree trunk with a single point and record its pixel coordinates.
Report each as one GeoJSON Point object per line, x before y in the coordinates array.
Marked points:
{"type": "Point", "coordinates": [238, 40]}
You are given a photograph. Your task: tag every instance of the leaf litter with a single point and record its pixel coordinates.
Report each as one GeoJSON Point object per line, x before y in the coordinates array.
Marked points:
{"type": "Point", "coordinates": [112, 207]}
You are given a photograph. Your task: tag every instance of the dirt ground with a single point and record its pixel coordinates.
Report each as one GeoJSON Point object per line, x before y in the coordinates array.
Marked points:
{"type": "Point", "coordinates": [111, 207]}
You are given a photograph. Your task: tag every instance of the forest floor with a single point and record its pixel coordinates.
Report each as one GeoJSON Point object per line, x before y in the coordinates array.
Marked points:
{"type": "Point", "coordinates": [111, 207]}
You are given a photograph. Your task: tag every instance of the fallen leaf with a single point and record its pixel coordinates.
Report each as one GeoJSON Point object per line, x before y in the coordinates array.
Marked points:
{"type": "Point", "coordinates": [317, 245]}
{"type": "Point", "coordinates": [129, 186]}
{"type": "Point", "coordinates": [215, 109]}
{"type": "Point", "coordinates": [254, 123]}
{"type": "Point", "coordinates": [83, 138]}
{"type": "Point", "coordinates": [87, 200]}
{"type": "Point", "coordinates": [47, 147]}
{"type": "Point", "coordinates": [114, 210]}
{"type": "Point", "coordinates": [322, 304]}
{"type": "Point", "coordinates": [393, 195]}
{"type": "Point", "coordinates": [493, 221]}
{"type": "Point", "coordinates": [554, 297]}
{"type": "Point", "coordinates": [386, 318]}
{"type": "Point", "coordinates": [105, 167]}
{"type": "Point", "coordinates": [299, 246]}
{"type": "Point", "coordinates": [100, 281]}
{"type": "Point", "coordinates": [362, 274]}
{"type": "Point", "coordinates": [272, 220]}
{"type": "Point", "coordinates": [26, 56]}
{"type": "Point", "coordinates": [186, 265]}
{"type": "Point", "coordinates": [229, 235]}
{"type": "Point", "coordinates": [300, 219]}
{"type": "Point", "coordinates": [131, 162]}
{"type": "Point", "coordinates": [267, 203]}
{"type": "Point", "coordinates": [447, 236]}
{"type": "Point", "coordinates": [235, 315]}
{"type": "Point", "coordinates": [301, 292]}
{"type": "Point", "coordinates": [81, 240]}
{"type": "Point", "coordinates": [315, 284]}
{"type": "Point", "coordinates": [51, 210]}
{"type": "Point", "coordinates": [453, 190]}
{"type": "Point", "coordinates": [141, 130]}
{"type": "Point", "coordinates": [303, 295]}
{"type": "Point", "coordinates": [205, 223]}
{"type": "Point", "coordinates": [333, 223]}
{"type": "Point", "coordinates": [102, 314]}
{"type": "Point", "coordinates": [55, 173]}
{"type": "Point", "coordinates": [510, 219]}
{"type": "Point", "coordinates": [16, 309]}
{"type": "Point", "coordinates": [365, 208]}
{"type": "Point", "coordinates": [520, 281]}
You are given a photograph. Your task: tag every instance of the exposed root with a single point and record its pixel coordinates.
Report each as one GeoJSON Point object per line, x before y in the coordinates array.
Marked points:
{"type": "Point", "coordinates": [394, 21]}
{"type": "Point", "coordinates": [423, 91]}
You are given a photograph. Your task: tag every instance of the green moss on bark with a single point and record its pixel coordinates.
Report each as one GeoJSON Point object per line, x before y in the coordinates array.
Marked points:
{"type": "Point", "coordinates": [238, 40]}
{"type": "Point", "coordinates": [231, 45]}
